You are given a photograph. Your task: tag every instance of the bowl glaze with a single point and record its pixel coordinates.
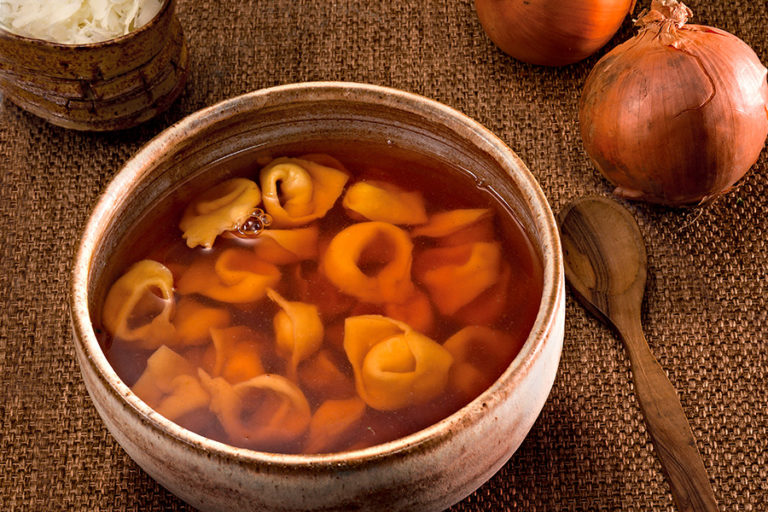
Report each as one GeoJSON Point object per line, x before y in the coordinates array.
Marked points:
{"type": "Point", "coordinates": [428, 470]}
{"type": "Point", "coordinates": [109, 85]}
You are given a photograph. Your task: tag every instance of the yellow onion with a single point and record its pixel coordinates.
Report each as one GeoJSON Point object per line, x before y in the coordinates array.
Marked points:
{"type": "Point", "coordinates": [677, 114]}
{"type": "Point", "coordinates": [551, 32]}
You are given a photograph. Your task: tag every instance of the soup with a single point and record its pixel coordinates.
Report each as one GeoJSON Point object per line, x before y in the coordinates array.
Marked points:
{"type": "Point", "coordinates": [315, 303]}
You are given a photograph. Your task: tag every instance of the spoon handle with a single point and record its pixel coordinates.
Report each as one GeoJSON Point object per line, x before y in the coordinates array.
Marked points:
{"type": "Point", "coordinates": [669, 428]}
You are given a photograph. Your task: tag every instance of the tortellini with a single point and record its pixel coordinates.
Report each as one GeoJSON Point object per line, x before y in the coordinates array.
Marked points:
{"type": "Point", "coordinates": [415, 311]}
{"type": "Point", "coordinates": [297, 191]}
{"type": "Point", "coordinates": [331, 420]}
{"type": "Point", "coordinates": [284, 246]}
{"type": "Point", "coordinates": [298, 329]}
{"type": "Point", "coordinates": [480, 354]}
{"type": "Point", "coordinates": [235, 276]}
{"type": "Point", "coordinates": [320, 375]}
{"type": "Point", "coordinates": [490, 305]}
{"type": "Point", "coordinates": [455, 276]}
{"type": "Point", "coordinates": [170, 385]}
{"type": "Point", "coordinates": [326, 160]}
{"type": "Point", "coordinates": [371, 261]}
{"type": "Point", "coordinates": [394, 365]}
{"type": "Point", "coordinates": [194, 321]}
{"type": "Point", "coordinates": [260, 412]}
{"type": "Point", "coordinates": [382, 201]}
{"type": "Point", "coordinates": [361, 282]}
{"type": "Point", "coordinates": [458, 227]}
{"type": "Point", "coordinates": [221, 208]}
{"type": "Point", "coordinates": [237, 356]}
{"type": "Point", "coordinates": [139, 306]}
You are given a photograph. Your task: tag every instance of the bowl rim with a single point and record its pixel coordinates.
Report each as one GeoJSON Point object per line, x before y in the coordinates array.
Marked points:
{"type": "Point", "coordinates": [546, 319]}
{"type": "Point", "coordinates": [7, 34]}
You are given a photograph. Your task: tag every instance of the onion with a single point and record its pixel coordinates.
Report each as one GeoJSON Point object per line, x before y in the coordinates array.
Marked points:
{"type": "Point", "coordinates": [677, 114]}
{"type": "Point", "coordinates": [76, 21]}
{"type": "Point", "coordinates": [551, 32]}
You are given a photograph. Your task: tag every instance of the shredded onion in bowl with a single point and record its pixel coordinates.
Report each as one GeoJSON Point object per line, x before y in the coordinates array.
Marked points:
{"type": "Point", "coordinates": [76, 21]}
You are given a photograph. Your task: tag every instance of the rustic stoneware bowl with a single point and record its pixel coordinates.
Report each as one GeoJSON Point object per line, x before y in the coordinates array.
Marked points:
{"type": "Point", "coordinates": [428, 470]}
{"type": "Point", "coordinates": [109, 85]}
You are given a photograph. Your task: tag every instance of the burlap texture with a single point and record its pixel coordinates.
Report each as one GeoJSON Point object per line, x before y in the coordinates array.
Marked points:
{"type": "Point", "coordinates": [705, 316]}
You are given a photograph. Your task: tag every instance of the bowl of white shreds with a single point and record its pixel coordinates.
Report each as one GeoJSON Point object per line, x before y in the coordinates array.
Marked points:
{"type": "Point", "coordinates": [92, 64]}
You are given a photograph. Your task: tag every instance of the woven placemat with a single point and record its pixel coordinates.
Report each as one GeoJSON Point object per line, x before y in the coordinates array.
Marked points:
{"type": "Point", "coordinates": [705, 315]}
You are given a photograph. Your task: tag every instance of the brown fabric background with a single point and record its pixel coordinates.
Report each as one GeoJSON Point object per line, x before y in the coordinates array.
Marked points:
{"type": "Point", "coordinates": [705, 314]}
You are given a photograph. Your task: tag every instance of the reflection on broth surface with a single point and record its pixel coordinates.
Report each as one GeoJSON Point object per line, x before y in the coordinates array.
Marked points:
{"type": "Point", "coordinates": [383, 292]}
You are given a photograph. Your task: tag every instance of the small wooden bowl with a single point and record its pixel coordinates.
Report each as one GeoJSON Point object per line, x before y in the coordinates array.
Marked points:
{"type": "Point", "coordinates": [109, 85]}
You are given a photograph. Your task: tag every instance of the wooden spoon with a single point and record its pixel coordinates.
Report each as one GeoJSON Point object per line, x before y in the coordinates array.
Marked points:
{"type": "Point", "coordinates": [605, 264]}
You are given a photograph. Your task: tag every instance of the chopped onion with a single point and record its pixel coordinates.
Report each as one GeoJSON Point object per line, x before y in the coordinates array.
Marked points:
{"type": "Point", "coordinates": [76, 21]}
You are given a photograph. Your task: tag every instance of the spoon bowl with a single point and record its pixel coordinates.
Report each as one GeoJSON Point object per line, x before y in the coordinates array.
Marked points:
{"type": "Point", "coordinates": [604, 270]}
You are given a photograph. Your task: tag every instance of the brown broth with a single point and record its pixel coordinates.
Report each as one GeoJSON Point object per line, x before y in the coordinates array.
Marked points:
{"type": "Point", "coordinates": [158, 237]}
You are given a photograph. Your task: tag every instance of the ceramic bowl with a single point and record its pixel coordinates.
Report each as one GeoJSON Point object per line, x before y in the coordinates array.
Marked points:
{"type": "Point", "coordinates": [108, 85]}
{"type": "Point", "coordinates": [428, 470]}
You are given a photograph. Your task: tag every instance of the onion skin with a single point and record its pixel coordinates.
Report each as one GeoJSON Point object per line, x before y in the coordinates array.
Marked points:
{"type": "Point", "coordinates": [551, 32]}
{"type": "Point", "coordinates": [677, 114]}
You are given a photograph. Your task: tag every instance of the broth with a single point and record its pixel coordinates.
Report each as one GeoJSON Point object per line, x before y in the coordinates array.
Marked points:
{"type": "Point", "coordinates": [234, 378]}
